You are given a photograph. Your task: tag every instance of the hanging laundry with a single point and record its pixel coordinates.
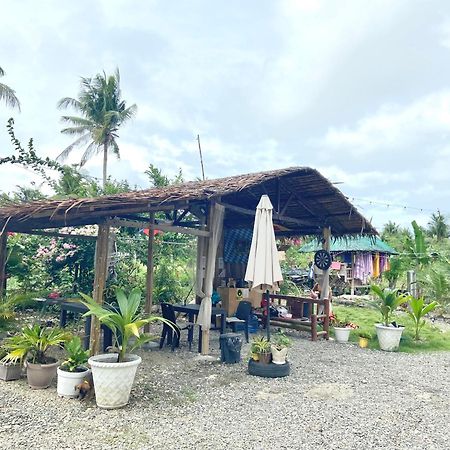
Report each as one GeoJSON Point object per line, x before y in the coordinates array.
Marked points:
{"type": "Point", "coordinates": [376, 265]}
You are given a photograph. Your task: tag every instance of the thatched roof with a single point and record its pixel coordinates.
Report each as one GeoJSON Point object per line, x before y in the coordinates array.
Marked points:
{"type": "Point", "coordinates": [304, 199]}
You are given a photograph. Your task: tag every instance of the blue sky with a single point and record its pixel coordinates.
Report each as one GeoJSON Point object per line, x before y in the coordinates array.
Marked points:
{"type": "Point", "coordinates": [358, 90]}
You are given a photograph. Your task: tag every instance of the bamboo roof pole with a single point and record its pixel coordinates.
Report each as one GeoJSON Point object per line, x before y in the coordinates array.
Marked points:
{"type": "Point", "coordinates": [100, 275]}
{"type": "Point", "coordinates": [149, 278]}
{"type": "Point", "coordinates": [3, 254]}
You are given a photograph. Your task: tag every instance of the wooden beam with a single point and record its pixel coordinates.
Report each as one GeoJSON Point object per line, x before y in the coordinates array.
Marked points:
{"type": "Point", "coordinates": [101, 271]}
{"type": "Point", "coordinates": [157, 226]}
{"type": "Point", "coordinates": [3, 255]}
{"type": "Point", "coordinates": [57, 234]}
{"type": "Point", "coordinates": [149, 277]}
{"type": "Point", "coordinates": [287, 204]}
{"type": "Point", "coordinates": [251, 212]}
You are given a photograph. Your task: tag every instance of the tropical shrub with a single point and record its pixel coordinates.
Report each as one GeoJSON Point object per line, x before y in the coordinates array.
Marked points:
{"type": "Point", "coordinates": [32, 343]}
{"type": "Point", "coordinates": [387, 302]}
{"type": "Point", "coordinates": [417, 310]}
{"type": "Point", "coordinates": [124, 320]}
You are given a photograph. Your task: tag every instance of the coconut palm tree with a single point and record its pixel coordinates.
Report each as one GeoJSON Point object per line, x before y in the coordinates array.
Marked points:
{"type": "Point", "coordinates": [438, 227]}
{"type": "Point", "coordinates": [102, 113]}
{"type": "Point", "coordinates": [7, 94]}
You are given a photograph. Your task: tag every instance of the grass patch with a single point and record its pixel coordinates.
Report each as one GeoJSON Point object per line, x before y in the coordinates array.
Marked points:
{"type": "Point", "coordinates": [432, 338]}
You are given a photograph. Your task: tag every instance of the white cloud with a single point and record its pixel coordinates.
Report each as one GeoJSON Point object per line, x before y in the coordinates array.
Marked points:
{"type": "Point", "coordinates": [392, 127]}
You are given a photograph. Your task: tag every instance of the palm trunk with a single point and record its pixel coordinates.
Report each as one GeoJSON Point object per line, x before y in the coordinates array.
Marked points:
{"type": "Point", "coordinates": [105, 163]}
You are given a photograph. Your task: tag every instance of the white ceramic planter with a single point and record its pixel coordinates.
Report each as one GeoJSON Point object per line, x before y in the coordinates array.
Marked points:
{"type": "Point", "coordinates": [389, 337]}
{"type": "Point", "coordinates": [279, 356]}
{"type": "Point", "coordinates": [112, 380]}
{"type": "Point", "coordinates": [68, 380]}
{"type": "Point", "coordinates": [342, 334]}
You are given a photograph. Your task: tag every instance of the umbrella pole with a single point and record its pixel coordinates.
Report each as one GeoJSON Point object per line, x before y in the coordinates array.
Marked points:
{"type": "Point", "coordinates": [268, 315]}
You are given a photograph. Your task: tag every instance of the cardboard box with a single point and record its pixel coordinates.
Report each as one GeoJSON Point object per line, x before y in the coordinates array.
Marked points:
{"type": "Point", "coordinates": [232, 296]}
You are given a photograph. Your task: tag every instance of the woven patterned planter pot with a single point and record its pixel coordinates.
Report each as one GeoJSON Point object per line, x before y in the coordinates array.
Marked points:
{"type": "Point", "coordinates": [389, 337]}
{"type": "Point", "coordinates": [112, 380]}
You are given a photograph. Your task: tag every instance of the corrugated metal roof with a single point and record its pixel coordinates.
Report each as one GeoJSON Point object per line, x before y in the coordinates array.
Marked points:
{"type": "Point", "coordinates": [352, 244]}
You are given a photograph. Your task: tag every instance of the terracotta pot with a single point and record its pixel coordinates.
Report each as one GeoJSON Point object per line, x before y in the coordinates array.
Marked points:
{"type": "Point", "coordinates": [40, 376]}
{"type": "Point", "coordinates": [264, 358]}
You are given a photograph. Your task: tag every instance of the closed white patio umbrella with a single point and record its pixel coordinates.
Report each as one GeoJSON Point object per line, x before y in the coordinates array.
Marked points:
{"type": "Point", "coordinates": [263, 267]}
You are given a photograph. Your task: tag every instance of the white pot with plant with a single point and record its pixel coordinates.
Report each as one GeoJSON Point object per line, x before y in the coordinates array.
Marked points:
{"type": "Point", "coordinates": [342, 328]}
{"type": "Point", "coordinates": [280, 348]}
{"type": "Point", "coordinates": [114, 374]}
{"type": "Point", "coordinates": [31, 345]}
{"type": "Point", "coordinates": [389, 333]}
{"type": "Point", "coordinates": [73, 371]}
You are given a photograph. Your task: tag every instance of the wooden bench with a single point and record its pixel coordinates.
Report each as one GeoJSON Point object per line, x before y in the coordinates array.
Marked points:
{"type": "Point", "coordinates": [307, 313]}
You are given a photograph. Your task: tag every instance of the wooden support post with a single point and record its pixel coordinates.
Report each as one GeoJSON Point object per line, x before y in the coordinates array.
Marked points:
{"type": "Point", "coordinates": [149, 279]}
{"type": "Point", "coordinates": [101, 271]}
{"type": "Point", "coordinates": [352, 286]}
{"type": "Point", "coordinates": [3, 252]}
{"type": "Point", "coordinates": [325, 288]}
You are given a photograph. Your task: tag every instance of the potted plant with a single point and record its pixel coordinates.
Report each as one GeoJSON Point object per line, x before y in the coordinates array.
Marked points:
{"type": "Point", "coordinates": [280, 348]}
{"type": "Point", "coordinates": [73, 370]}
{"type": "Point", "coordinates": [31, 345]}
{"type": "Point", "coordinates": [364, 338]}
{"type": "Point", "coordinates": [388, 332]}
{"type": "Point", "coordinates": [342, 328]}
{"type": "Point", "coordinates": [9, 370]}
{"type": "Point", "coordinates": [114, 374]}
{"type": "Point", "coordinates": [260, 349]}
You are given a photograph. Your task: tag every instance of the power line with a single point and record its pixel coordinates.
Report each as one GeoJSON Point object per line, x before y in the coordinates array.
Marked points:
{"type": "Point", "coordinates": [395, 205]}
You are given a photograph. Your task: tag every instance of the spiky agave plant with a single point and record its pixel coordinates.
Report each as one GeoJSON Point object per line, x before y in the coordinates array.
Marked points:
{"type": "Point", "coordinates": [124, 321]}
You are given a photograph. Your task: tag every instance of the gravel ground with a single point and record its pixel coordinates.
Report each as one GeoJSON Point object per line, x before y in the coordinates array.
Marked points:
{"type": "Point", "coordinates": [338, 396]}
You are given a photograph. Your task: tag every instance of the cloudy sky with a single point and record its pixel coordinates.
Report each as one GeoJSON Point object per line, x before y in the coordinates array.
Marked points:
{"type": "Point", "coordinates": [357, 89]}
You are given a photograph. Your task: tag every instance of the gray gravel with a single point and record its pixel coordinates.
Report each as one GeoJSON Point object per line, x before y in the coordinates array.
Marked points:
{"type": "Point", "coordinates": [338, 396]}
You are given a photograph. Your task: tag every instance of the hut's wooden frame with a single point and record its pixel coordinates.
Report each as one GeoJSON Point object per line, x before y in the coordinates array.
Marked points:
{"type": "Point", "coordinates": [305, 203]}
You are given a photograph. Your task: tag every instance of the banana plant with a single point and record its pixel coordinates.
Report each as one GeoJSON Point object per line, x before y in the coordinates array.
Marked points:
{"type": "Point", "coordinates": [388, 301]}
{"type": "Point", "coordinates": [124, 321]}
{"type": "Point", "coordinates": [417, 310]}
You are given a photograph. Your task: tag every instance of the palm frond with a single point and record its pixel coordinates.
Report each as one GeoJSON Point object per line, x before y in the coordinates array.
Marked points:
{"type": "Point", "coordinates": [80, 141]}
{"type": "Point", "coordinates": [91, 149]}
{"type": "Point", "coordinates": [8, 95]}
{"type": "Point", "coordinates": [69, 102]}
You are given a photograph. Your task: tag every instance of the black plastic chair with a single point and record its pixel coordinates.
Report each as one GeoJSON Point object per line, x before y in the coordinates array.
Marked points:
{"type": "Point", "coordinates": [173, 336]}
{"type": "Point", "coordinates": [239, 321]}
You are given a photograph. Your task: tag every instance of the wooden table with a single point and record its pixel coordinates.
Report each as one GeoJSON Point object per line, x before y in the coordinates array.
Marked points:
{"type": "Point", "coordinates": [192, 310]}
{"type": "Point", "coordinates": [73, 305]}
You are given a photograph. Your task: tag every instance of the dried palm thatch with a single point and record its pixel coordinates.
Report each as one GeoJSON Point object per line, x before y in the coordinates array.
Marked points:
{"type": "Point", "coordinates": [299, 193]}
